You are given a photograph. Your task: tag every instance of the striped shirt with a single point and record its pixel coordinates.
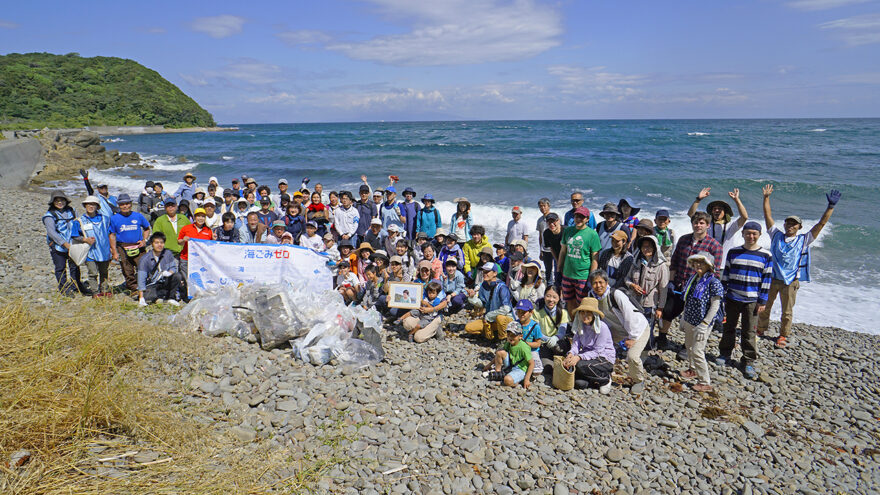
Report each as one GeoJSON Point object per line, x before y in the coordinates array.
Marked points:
{"type": "Point", "coordinates": [747, 275]}
{"type": "Point", "coordinates": [687, 247]}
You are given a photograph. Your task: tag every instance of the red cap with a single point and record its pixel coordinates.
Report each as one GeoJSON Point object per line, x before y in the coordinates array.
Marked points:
{"type": "Point", "coordinates": [583, 211]}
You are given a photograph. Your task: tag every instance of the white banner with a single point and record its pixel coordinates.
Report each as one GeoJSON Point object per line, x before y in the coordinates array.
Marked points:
{"type": "Point", "coordinates": [214, 264]}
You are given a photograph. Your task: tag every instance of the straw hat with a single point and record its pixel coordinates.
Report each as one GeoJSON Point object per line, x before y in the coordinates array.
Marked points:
{"type": "Point", "coordinates": [367, 246]}
{"type": "Point", "coordinates": [590, 304]}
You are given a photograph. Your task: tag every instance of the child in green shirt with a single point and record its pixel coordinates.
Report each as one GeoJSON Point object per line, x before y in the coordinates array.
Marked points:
{"type": "Point", "coordinates": [515, 358]}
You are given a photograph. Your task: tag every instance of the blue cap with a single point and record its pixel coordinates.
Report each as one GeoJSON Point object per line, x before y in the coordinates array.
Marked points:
{"type": "Point", "coordinates": [390, 189]}
{"type": "Point", "coordinates": [169, 201]}
{"type": "Point", "coordinates": [524, 305]}
{"type": "Point", "coordinates": [662, 213]}
{"type": "Point", "coordinates": [123, 198]}
{"type": "Point", "coordinates": [752, 226]}
{"type": "Point", "coordinates": [429, 197]}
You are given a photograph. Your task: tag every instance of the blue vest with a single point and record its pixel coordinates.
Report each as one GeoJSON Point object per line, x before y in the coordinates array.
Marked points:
{"type": "Point", "coordinates": [791, 261]}
{"type": "Point", "coordinates": [63, 224]}
{"type": "Point", "coordinates": [390, 215]}
{"type": "Point", "coordinates": [99, 228]}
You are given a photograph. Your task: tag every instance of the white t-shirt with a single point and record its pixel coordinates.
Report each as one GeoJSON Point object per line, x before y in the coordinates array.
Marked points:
{"type": "Point", "coordinates": [725, 234]}
{"type": "Point", "coordinates": [515, 231]}
{"type": "Point", "coordinates": [315, 242]}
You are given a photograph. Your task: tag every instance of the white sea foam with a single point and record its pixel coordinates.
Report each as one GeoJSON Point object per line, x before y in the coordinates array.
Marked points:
{"type": "Point", "coordinates": [818, 130]}
{"type": "Point", "coordinates": [114, 140]}
{"type": "Point", "coordinates": [589, 128]}
{"type": "Point", "coordinates": [227, 158]}
{"type": "Point", "coordinates": [698, 134]}
{"type": "Point", "coordinates": [165, 162]}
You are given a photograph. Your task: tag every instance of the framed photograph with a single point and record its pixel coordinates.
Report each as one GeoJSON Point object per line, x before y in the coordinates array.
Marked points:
{"type": "Point", "coordinates": [404, 295]}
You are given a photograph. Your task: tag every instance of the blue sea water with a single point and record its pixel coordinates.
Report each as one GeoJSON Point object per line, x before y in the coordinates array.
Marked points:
{"type": "Point", "coordinates": [658, 163]}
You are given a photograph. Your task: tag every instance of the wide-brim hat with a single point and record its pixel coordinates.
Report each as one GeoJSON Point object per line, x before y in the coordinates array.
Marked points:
{"type": "Point", "coordinates": [189, 175]}
{"type": "Point", "coordinates": [367, 246]}
{"type": "Point", "coordinates": [590, 304]}
{"type": "Point", "coordinates": [427, 197]}
{"type": "Point", "coordinates": [633, 210]}
{"type": "Point", "coordinates": [58, 194]}
{"type": "Point", "coordinates": [440, 231]}
{"type": "Point", "coordinates": [92, 200]}
{"type": "Point", "coordinates": [728, 211]}
{"type": "Point", "coordinates": [532, 264]}
{"type": "Point", "coordinates": [345, 243]}
{"type": "Point", "coordinates": [409, 190]}
{"type": "Point", "coordinates": [704, 257]}
{"type": "Point", "coordinates": [379, 254]}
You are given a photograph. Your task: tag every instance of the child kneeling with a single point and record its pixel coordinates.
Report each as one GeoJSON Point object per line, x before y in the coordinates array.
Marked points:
{"type": "Point", "coordinates": [515, 358]}
{"type": "Point", "coordinates": [424, 323]}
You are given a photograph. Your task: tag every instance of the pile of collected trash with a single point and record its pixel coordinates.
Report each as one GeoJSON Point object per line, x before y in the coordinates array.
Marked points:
{"type": "Point", "coordinates": [319, 326]}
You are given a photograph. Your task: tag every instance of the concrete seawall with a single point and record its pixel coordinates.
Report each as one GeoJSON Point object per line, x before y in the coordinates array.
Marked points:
{"type": "Point", "coordinates": [20, 159]}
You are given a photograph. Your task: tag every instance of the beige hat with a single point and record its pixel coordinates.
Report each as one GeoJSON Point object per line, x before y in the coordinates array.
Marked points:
{"type": "Point", "coordinates": [590, 304]}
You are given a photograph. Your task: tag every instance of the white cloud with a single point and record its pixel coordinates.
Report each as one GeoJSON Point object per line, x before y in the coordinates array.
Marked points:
{"type": "Point", "coordinates": [857, 30]}
{"type": "Point", "coordinates": [220, 26]}
{"type": "Point", "coordinates": [456, 32]}
{"type": "Point", "coordinates": [283, 98]}
{"type": "Point", "coordinates": [7, 24]}
{"type": "Point", "coordinates": [595, 83]}
{"type": "Point", "coordinates": [247, 70]}
{"type": "Point", "coordinates": [392, 99]}
{"type": "Point", "coordinates": [194, 80]}
{"type": "Point", "coordinates": [822, 4]}
{"type": "Point", "coordinates": [304, 37]}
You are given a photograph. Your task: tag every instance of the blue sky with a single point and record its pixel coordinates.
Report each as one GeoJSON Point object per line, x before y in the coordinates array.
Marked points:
{"type": "Point", "coordinates": [335, 60]}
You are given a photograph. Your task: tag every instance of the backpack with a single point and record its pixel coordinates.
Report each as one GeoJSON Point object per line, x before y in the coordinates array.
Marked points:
{"type": "Point", "coordinates": [630, 296]}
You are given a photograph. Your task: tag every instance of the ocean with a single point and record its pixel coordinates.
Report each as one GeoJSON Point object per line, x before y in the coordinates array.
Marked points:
{"type": "Point", "coordinates": [499, 164]}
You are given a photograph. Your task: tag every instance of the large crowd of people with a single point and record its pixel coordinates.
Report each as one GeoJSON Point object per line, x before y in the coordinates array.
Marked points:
{"type": "Point", "coordinates": [595, 291]}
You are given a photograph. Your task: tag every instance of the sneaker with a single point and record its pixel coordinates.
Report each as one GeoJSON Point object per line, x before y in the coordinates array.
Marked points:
{"type": "Point", "coordinates": [160, 301]}
{"type": "Point", "coordinates": [173, 302]}
{"type": "Point", "coordinates": [605, 389]}
{"type": "Point", "coordinates": [749, 372]}
{"type": "Point", "coordinates": [722, 360]}
{"type": "Point", "coordinates": [682, 354]}
{"type": "Point", "coordinates": [485, 374]}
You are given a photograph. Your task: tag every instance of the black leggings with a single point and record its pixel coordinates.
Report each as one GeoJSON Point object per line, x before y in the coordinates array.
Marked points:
{"type": "Point", "coordinates": [63, 263]}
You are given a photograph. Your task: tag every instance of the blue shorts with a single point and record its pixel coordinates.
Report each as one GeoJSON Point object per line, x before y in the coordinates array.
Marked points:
{"type": "Point", "coordinates": [516, 374]}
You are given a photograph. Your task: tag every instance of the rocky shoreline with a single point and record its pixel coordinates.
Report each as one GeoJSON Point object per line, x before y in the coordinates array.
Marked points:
{"type": "Point", "coordinates": [425, 421]}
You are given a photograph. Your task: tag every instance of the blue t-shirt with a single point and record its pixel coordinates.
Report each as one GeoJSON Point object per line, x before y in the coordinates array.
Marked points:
{"type": "Point", "coordinates": [129, 229]}
{"type": "Point", "coordinates": [532, 333]}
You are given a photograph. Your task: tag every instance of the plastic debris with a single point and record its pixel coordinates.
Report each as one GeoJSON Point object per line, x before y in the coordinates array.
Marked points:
{"type": "Point", "coordinates": [319, 327]}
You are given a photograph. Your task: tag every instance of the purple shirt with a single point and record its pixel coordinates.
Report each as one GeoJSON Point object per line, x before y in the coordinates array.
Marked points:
{"type": "Point", "coordinates": [591, 345]}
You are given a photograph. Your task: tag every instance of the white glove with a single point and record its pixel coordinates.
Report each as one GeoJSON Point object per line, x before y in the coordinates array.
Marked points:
{"type": "Point", "coordinates": [167, 273]}
{"type": "Point", "coordinates": [553, 341]}
{"type": "Point", "coordinates": [142, 303]}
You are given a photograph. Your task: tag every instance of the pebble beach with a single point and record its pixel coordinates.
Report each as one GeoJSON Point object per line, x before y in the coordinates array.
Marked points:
{"type": "Point", "coordinates": [425, 421]}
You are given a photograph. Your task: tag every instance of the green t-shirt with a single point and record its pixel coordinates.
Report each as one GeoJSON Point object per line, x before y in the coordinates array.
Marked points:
{"type": "Point", "coordinates": [582, 246]}
{"type": "Point", "coordinates": [520, 354]}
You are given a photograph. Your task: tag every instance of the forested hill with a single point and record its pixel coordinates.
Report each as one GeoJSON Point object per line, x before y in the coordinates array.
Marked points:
{"type": "Point", "coordinates": [44, 90]}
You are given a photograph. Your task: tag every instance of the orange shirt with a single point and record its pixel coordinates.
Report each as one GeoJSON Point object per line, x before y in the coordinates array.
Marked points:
{"type": "Point", "coordinates": [192, 232]}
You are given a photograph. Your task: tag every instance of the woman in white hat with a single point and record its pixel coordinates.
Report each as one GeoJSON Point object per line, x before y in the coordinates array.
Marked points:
{"type": "Point", "coordinates": [702, 296]}
{"type": "Point", "coordinates": [95, 228]}
{"type": "Point", "coordinates": [61, 228]}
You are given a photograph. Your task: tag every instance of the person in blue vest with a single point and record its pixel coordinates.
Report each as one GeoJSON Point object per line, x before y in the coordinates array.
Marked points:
{"type": "Point", "coordinates": [108, 202]}
{"type": "Point", "coordinates": [94, 227]}
{"type": "Point", "coordinates": [409, 209]}
{"type": "Point", "coordinates": [129, 231]}
{"type": "Point", "coordinates": [188, 188]}
{"type": "Point", "coordinates": [791, 261]}
{"type": "Point", "coordinates": [428, 219]}
{"type": "Point", "coordinates": [390, 211]}
{"type": "Point", "coordinates": [59, 221]}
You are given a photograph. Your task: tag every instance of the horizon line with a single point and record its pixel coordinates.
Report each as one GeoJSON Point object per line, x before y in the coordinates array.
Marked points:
{"type": "Point", "coordinates": [380, 121]}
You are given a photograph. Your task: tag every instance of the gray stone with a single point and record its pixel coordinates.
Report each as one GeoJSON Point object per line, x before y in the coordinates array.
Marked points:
{"type": "Point", "coordinates": [667, 423]}
{"type": "Point", "coordinates": [614, 454]}
{"type": "Point", "coordinates": [753, 428]}
{"type": "Point", "coordinates": [862, 415]}
{"type": "Point", "coordinates": [243, 434]}
{"type": "Point", "coordinates": [288, 405]}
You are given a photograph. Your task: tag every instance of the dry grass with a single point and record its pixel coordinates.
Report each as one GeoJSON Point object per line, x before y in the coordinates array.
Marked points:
{"type": "Point", "coordinates": [71, 381]}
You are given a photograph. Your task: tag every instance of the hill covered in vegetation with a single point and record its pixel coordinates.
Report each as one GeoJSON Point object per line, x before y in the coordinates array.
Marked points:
{"type": "Point", "coordinates": [44, 90]}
